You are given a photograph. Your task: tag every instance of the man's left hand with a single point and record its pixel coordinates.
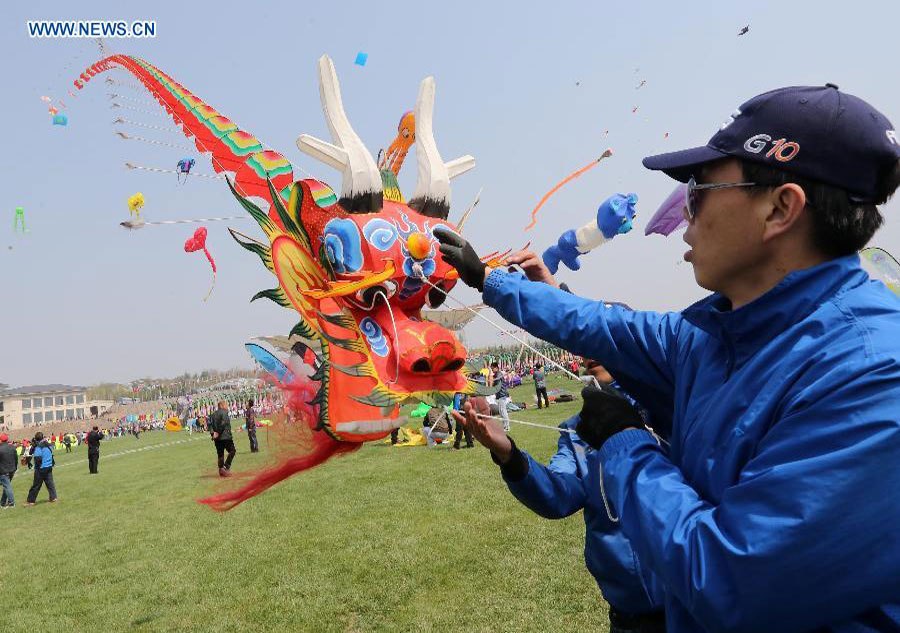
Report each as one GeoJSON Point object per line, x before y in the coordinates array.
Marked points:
{"type": "Point", "coordinates": [459, 253]}
{"type": "Point", "coordinates": [604, 413]}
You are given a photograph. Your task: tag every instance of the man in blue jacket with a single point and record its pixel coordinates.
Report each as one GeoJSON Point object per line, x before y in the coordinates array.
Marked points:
{"type": "Point", "coordinates": [43, 470]}
{"type": "Point", "coordinates": [774, 508]}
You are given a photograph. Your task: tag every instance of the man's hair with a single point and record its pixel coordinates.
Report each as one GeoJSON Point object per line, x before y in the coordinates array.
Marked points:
{"type": "Point", "coordinates": [249, 403]}
{"type": "Point", "coordinates": [95, 428]}
{"type": "Point", "coordinates": [495, 364]}
{"type": "Point", "coordinates": [38, 436]}
{"type": "Point", "coordinates": [841, 225]}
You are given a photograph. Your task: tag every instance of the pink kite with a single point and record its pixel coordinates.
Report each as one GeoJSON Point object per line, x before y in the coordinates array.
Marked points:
{"type": "Point", "coordinates": [197, 243]}
{"type": "Point", "coordinates": [669, 217]}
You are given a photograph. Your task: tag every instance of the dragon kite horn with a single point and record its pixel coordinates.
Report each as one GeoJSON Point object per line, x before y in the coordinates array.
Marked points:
{"type": "Point", "coordinates": [361, 186]}
{"type": "Point", "coordinates": [432, 194]}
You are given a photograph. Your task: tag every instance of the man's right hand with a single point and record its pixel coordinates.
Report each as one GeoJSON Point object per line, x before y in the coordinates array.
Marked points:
{"type": "Point", "coordinates": [533, 267]}
{"type": "Point", "coordinates": [486, 430]}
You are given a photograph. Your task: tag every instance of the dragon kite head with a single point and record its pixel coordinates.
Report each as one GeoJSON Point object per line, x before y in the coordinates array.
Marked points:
{"type": "Point", "coordinates": [359, 266]}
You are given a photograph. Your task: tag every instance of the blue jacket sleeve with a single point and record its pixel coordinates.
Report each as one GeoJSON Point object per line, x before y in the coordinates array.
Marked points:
{"type": "Point", "coordinates": [554, 491]}
{"type": "Point", "coordinates": [807, 534]}
{"type": "Point", "coordinates": [640, 345]}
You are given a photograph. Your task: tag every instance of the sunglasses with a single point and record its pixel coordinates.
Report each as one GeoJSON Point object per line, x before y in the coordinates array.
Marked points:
{"type": "Point", "coordinates": [692, 195]}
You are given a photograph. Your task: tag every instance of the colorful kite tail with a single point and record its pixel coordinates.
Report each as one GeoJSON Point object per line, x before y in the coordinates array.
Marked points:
{"type": "Point", "coordinates": [320, 448]}
{"type": "Point", "coordinates": [562, 183]}
{"type": "Point", "coordinates": [211, 287]}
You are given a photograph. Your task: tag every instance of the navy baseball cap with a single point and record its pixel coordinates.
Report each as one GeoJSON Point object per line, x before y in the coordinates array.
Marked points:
{"type": "Point", "coordinates": [817, 132]}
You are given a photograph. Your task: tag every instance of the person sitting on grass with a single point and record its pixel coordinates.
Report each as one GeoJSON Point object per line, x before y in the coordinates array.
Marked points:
{"type": "Point", "coordinates": [436, 425]}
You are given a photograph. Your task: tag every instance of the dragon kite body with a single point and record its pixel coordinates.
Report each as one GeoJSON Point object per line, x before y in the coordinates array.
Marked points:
{"type": "Point", "coordinates": [357, 266]}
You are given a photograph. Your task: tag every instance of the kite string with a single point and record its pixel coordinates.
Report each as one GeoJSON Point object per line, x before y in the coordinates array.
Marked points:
{"type": "Point", "coordinates": [141, 110]}
{"type": "Point", "coordinates": [396, 337]}
{"type": "Point", "coordinates": [172, 171]}
{"type": "Point", "coordinates": [418, 272]}
{"type": "Point", "coordinates": [128, 137]}
{"type": "Point", "coordinates": [535, 424]}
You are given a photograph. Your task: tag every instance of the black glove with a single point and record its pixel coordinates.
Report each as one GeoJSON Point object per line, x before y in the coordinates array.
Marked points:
{"type": "Point", "coordinates": [604, 413]}
{"type": "Point", "coordinates": [459, 253]}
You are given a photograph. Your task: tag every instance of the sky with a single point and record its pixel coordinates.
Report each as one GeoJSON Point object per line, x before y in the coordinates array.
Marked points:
{"type": "Point", "coordinates": [529, 90]}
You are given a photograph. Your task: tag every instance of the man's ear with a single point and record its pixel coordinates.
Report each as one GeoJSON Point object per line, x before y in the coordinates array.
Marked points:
{"type": "Point", "coordinates": [786, 204]}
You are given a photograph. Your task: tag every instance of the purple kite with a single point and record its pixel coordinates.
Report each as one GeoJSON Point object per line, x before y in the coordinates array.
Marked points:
{"type": "Point", "coordinates": [669, 216]}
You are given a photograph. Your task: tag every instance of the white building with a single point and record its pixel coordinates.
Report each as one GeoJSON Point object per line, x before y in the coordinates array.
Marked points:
{"type": "Point", "coordinates": [41, 404]}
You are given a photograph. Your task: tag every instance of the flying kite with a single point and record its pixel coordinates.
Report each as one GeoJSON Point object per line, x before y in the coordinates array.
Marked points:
{"type": "Point", "coordinates": [198, 243]}
{"type": "Point", "coordinates": [882, 266]}
{"type": "Point", "coordinates": [614, 217]}
{"type": "Point", "coordinates": [184, 167]}
{"type": "Point", "coordinates": [406, 136]}
{"type": "Point", "coordinates": [634, 109]}
{"type": "Point", "coordinates": [135, 204]}
{"type": "Point", "coordinates": [361, 59]}
{"type": "Point", "coordinates": [744, 30]}
{"type": "Point", "coordinates": [670, 215]}
{"type": "Point", "coordinates": [455, 319]}
{"type": "Point", "coordinates": [562, 183]}
{"type": "Point", "coordinates": [272, 366]}
{"type": "Point", "coordinates": [60, 119]}
{"type": "Point", "coordinates": [642, 84]}
{"type": "Point", "coordinates": [356, 264]}
{"type": "Point", "coordinates": [465, 216]}
{"type": "Point", "coordinates": [19, 218]}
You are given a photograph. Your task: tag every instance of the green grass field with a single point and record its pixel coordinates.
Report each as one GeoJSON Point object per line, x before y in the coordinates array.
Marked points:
{"type": "Point", "coordinates": [385, 539]}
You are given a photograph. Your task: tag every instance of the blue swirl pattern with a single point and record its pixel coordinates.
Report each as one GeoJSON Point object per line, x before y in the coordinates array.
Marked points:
{"type": "Point", "coordinates": [380, 233]}
{"type": "Point", "coordinates": [372, 331]}
{"type": "Point", "coordinates": [343, 246]}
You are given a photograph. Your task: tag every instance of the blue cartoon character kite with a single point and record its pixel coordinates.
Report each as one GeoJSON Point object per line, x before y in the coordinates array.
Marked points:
{"type": "Point", "coordinates": [613, 218]}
